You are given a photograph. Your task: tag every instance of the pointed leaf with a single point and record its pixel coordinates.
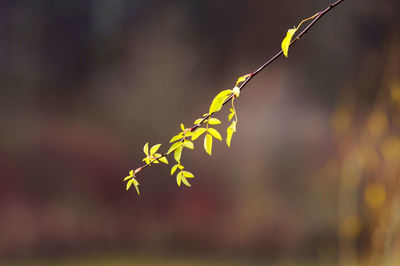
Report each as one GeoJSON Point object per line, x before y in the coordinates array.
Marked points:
{"type": "Point", "coordinates": [184, 181]}
{"type": "Point", "coordinates": [188, 144]}
{"type": "Point", "coordinates": [214, 121]}
{"type": "Point", "coordinates": [155, 148]}
{"type": "Point", "coordinates": [198, 133]}
{"type": "Point", "coordinates": [179, 178]}
{"type": "Point", "coordinates": [197, 121]}
{"type": "Point", "coordinates": [182, 127]}
{"type": "Point", "coordinates": [129, 184]}
{"type": "Point", "coordinates": [229, 132]}
{"type": "Point", "coordinates": [174, 146]}
{"type": "Point", "coordinates": [218, 101]}
{"type": "Point", "coordinates": [242, 78]}
{"type": "Point", "coordinates": [187, 174]}
{"type": "Point", "coordinates": [181, 166]}
{"type": "Point", "coordinates": [178, 154]}
{"type": "Point", "coordinates": [173, 169]}
{"type": "Point", "coordinates": [214, 133]}
{"type": "Point", "coordinates": [163, 160]}
{"type": "Point", "coordinates": [136, 184]}
{"type": "Point", "coordinates": [175, 138]}
{"type": "Point", "coordinates": [287, 40]}
{"type": "Point", "coordinates": [146, 148]}
{"type": "Point", "coordinates": [208, 143]}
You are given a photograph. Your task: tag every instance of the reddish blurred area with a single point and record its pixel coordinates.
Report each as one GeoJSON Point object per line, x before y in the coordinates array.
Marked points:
{"type": "Point", "coordinates": [312, 172]}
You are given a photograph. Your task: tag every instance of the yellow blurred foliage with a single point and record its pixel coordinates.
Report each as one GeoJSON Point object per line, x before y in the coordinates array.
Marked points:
{"type": "Point", "coordinates": [340, 120]}
{"type": "Point", "coordinates": [377, 123]}
{"type": "Point", "coordinates": [391, 148]}
{"type": "Point", "coordinates": [395, 92]}
{"type": "Point", "coordinates": [350, 227]}
{"type": "Point", "coordinates": [375, 195]}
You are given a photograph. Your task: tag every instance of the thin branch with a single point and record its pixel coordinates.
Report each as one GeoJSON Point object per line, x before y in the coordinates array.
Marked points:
{"type": "Point", "coordinates": [261, 68]}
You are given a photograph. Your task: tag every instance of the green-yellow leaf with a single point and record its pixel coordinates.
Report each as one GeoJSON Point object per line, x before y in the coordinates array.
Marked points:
{"type": "Point", "coordinates": [229, 132]}
{"type": "Point", "coordinates": [198, 133]}
{"type": "Point", "coordinates": [219, 100]}
{"type": "Point", "coordinates": [178, 154]}
{"type": "Point", "coordinates": [287, 40]}
{"type": "Point", "coordinates": [136, 184]}
{"type": "Point", "coordinates": [129, 184]}
{"type": "Point", "coordinates": [179, 178]}
{"type": "Point", "coordinates": [215, 133]}
{"type": "Point", "coordinates": [175, 138]}
{"type": "Point", "coordinates": [173, 169]}
{"type": "Point", "coordinates": [197, 121]}
{"type": "Point", "coordinates": [208, 143]}
{"type": "Point", "coordinates": [214, 121]}
{"type": "Point", "coordinates": [182, 127]}
{"type": "Point", "coordinates": [231, 115]}
{"type": "Point", "coordinates": [187, 174]}
{"type": "Point", "coordinates": [163, 160]}
{"type": "Point", "coordinates": [155, 148]}
{"type": "Point", "coordinates": [174, 146]}
{"type": "Point", "coordinates": [181, 166]}
{"type": "Point", "coordinates": [242, 78]}
{"type": "Point", "coordinates": [146, 148]}
{"type": "Point", "coordinates": [188, 144]}
{"type": "Point", "coordinates": [236, 91]}
{"type": "Point", "coordinates": [184, 181]}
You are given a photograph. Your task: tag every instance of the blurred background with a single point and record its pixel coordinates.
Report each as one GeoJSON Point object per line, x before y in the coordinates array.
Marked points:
{"type": "Point", "coordinates": [312, 176]}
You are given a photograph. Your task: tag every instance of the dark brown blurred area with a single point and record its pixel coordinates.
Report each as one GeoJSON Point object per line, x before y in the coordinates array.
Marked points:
{"type": "Point", "coordinates": [312, 175]}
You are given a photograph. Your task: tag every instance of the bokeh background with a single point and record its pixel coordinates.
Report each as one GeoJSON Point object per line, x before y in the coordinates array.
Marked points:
{"type": "Point", "coordinates": [312, 176]}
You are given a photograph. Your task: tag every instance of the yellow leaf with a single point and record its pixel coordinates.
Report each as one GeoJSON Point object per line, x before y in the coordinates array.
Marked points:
{"type": "Point", "coordinates": [177, 137]}
{"type": "Point", "coordinates": [173, 169]}
{"type": "Point", "coordinates": [219, 100]}
{"type": "Point", "coordinates": [163, 160]}
{"type": "Point", "coordinates": [178, 154]}
{"type": "Point", "coordinates": [146, 148]}
{"type": "Point", "coordinates": [155, 148]}
{"type": "Point", "coordinates": [197, 121]}
{"type": "Point", "coordinates": [198, 133]}
{"type": "Point", "coordinates": [174, 146]}
{"type": "Point", "coordinates": [229, 132]}
{"type": "Point", "coordinates": [242, 78]}
{"type": "Point", "coordinates": [208, 143]}
{"type": "Point", "coordinates": [136, 184]}
{"type": "Point", "coordinates": [215, 133]}
{"type": "Point", "coordinates": [129, 184]}
{"type": "Point", "coordinates": [182, 127]}
{"type": "Point", "coordinates": [184, 181]}
{"type": "Point", "coordinates": [287, 40]}
{"type": "Point", "coordinates": [214, 121]}
{"type": "Point", "coordinates": [187, 174]}
{"type": "Point", "coordinates": [179, 178]}
{"type": "Point", "coordinates": [188, 144]}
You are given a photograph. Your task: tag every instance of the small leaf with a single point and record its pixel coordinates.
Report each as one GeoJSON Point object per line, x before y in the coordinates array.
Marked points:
{"type": "Point", "coordinates": [219, 100]}
{"type": "Point", "coordinates": [175, 138]}
{"type": "Point", "coordinates": [214, 133]}
{"type": "Point", "coordinates": [242, 78]}
{"type": "Point", "coordinates": [214, 121]}
{"type": "Point", "coordinates": [182, 127]}
{"type": "Point", "coordinates": [197, 121]}
{"type": "Point", "coordinates": [129, 184]}
{"type": "Point", "coordinates": [188, 144]}
{"type": "Point", "coordinates": [155, 148]}
{"type": "Point", "coordinates": [184, 181]}
{"type": "Point", "coordinates": [163, 160]}
{"type": "Point", "coordinates": [179, 178]}
{"type": "Point", "coordinates": [229, 132]}
{"type": "Point", "coordinates": [146, 160]}
{"type": "Point", "coordinates": [208, 143]}
{"type": "Point", "coordinates": [236, 91]}
{"type": "Point", "coordinates": [187, 174]}
{"type": "Point", "coordinates": [198, 133]}
{"type": "Point", "coordinates": [173, 169]}
{"type": "Point", "coordinates": [146, 148]}
{"type": "Point", "coordinates": [136, 184]}
{"type": "Point", "coordinates": [181, 166]}
{"type": "Point", "coordinates": [178, 154]}
{"type": "Point", "coordinates": [287, 40]}
{"type": "Point", "coordinates": [174, 146]}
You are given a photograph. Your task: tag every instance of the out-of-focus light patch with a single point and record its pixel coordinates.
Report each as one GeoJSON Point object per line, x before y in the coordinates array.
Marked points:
{"type": "Point", "coordinates": [391, 149]}
{"type": "Point", "coordinates": [377, 123]}
{"type": "Point", "coordinates": [340, 120]}
{"type": "Point", "coordinates": [368, 158]}
{"type": "Point", "coordinates": [351, 172]}
{"type": "Point", "coordinates": [375, 195]}
{"type": "Point", "coordinates": [350, 227]}
{"type": "Point", "coordinates": [395, 92]}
